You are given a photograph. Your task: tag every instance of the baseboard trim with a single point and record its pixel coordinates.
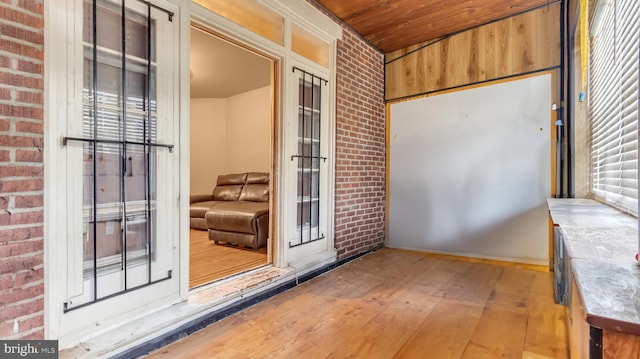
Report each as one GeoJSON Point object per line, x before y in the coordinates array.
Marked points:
{"type": "Point", "coordinates": [503, 263]}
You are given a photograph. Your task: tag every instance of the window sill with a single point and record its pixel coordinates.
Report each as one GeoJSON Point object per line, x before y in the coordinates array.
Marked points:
{"type": "Point", "coordinates": [600, 244]}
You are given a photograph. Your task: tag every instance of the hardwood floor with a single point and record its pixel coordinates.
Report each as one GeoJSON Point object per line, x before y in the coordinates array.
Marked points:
{"type": "Point", "coordinates": [209, 261]}
{"type": "Point", "coordinates": [395, 304]}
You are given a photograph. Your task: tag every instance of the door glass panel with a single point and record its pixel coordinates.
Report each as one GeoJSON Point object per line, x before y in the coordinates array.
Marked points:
{"type": "Point", "coordinates": [309, 159]}
{"type": "Point", "coordinates": [119, 130]}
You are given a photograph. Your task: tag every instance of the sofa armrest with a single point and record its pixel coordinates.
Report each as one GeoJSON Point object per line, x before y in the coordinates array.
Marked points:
{"type": "Point", "coordinates": [194, 198]}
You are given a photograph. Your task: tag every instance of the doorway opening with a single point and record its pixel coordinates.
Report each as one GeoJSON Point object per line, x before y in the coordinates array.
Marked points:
{"type": "Point", "coordinates": [231, 151]}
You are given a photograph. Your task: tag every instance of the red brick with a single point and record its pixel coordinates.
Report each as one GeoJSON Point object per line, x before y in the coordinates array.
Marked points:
{"type": "Point", "coordinates": [14, 265]}
{"type": "Point", "coordinates": [6, 329]}
{"type": "Point", "coordinates": [21, 171]}
{"type": "Point", "coordinates": [29, 127]}
{"type": "Point", "coordinates": [18, 80]}
{"type": "Point", "coordinates": [4, 156]}
{"type": "Point", "coordinates": [20, 294]}
{"type": "Point", "coordinates": [24, 326]}
{"type": "Point", "coordinates": [19, 234]}
{"type": "Point", "coordinates": [6, 282]}
{"type": "Point", "coordinates": [28, 156]}
{"type": "Point", "coordinates": [4, 202]}
{"type": "Point", "coordinates": [5, 62]}
{"type": "Point", "coordinates": [20, 141]}
{"type": "Point", "coordinates": [32, 335]}
{"type": "Point", "coordinates": [35, 98]}
{"type": "Point", "coordinates": [21, 310]}
{"type": "Point", "coordinates": [5, 94]}
{"type": "Point", "coordinates": [28, 201]}
{"type": "Point", "coordinates": [20, 248]}
{"type": "Point", "coordinates": [30, 67]}
{"type": "Point", "coordinates": [21, 111]}
{"type": "Point", "coordinates": [31, 276]}
{"type": "Point", "coordinates": [13, 218]}
{"type": "Point", "coordinates": [21, 18]}
{"type": "Point", "coordinates": [22, 49]}
{"type": "Point", "coordinates": [5, 125]}
{"type": "Point", "coordinates": [29, 185]}
{"type": "Point", "coordinates": [34, 6]}
{"type": "Point", "coordinates": [31, 323]}
{"type": "Point", "coordinates": [34, 37]}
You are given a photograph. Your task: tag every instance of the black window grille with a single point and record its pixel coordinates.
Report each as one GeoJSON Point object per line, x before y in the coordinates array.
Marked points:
{"type": "Point", "coordinates": [119, 134]}
{"type": "Point", "coordinates": [308, 197]}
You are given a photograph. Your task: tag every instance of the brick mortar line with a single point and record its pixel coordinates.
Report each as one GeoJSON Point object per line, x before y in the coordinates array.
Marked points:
{"type": "Point", "coordinates": [21, 41]}
{"type": "Point", "coordinates": [26, 300]}
{"type": "Point", "coordinates": [27, 316]}
{"type": "Point", "coordinates": [31, 284]}
{"type": "Point", "coordinates": [19, 335]}
{"type": "Point", "coordinates": [15, 119]}
{"type": "Point", "coordinates": [25, 193]}
{"type": "Point", "coordinates": [16, 102]}
{"type": "Point", "coordinates": [15, 56]}
{"type": "Point", "coordinates": [28, 240]}
{"type": "Point", "coordinates": [23, 226]}
{"type": "Point", "coordinates": [14, 210]}
{"type": "Point", "coordinates": [21, 10]}
{"type": "Point", "coordinates": [22, 164]}
{"type": "Point", "coordinates": [20, 134]}
{"type": "Point", "coordinates": [31, 75]}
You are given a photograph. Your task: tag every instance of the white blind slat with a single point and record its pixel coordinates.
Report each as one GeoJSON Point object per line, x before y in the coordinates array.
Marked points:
{"type": "Point", "coordinates": [613, 104]}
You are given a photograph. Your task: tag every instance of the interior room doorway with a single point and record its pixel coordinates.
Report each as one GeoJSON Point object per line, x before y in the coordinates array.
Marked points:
{"type": "Point", "coordinates": [231, 127]}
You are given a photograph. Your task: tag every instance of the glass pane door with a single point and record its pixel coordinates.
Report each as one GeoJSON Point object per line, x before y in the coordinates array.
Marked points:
{"type": "Point", "coordinates": [309, 202]}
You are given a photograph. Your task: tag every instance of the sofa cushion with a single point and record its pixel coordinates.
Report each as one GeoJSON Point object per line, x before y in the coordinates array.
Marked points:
{"type": "Point", "coordinates": [255, 193]}
{"type": "Point", "coordinates": [257, 177]}
{"type": "Point", "coordinates": [227, 192]}
{"type": "Point", "coordinates": [198, 209]}
{"type": "Point", "coordinates": [236, 216]}
{"type": "Point", "coordinates": [232, 179]}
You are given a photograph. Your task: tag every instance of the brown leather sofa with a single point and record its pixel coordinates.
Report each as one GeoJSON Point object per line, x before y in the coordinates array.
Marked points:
{"type": "Point", "coordinates": [237, 211]}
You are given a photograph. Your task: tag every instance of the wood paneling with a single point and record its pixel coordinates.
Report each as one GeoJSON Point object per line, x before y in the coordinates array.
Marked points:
{"type": "Point", "coordinates": [616, 345]}
{"type": "Point", "coordinates": [395, 304]}
{"type": "Point", "coordinates": [521, 44]}
{"type": "Point", "coordinates": [579, 328]}
{"type": "Point", "coordinates": [395, 24]}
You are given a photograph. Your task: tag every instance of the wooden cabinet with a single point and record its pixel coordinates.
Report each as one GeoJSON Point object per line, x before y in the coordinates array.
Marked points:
{"type": "Point", "coordinates": [587, 341]}
{"type": "Point", "coordinates": [578, 327]}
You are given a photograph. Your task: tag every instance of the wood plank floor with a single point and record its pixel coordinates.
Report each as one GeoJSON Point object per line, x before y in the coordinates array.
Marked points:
{"type": "Point", "coordinates": [209, 261]}
{"type": "Point", "coordinates": [395, 304]}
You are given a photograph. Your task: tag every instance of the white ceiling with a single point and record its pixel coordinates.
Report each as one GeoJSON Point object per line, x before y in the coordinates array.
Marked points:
{"type": "Point", "coordinates": [220, 69]}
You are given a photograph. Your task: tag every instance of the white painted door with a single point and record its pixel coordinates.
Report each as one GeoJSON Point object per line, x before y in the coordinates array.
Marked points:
{"type": "Point", "coordinates": [307, 166]}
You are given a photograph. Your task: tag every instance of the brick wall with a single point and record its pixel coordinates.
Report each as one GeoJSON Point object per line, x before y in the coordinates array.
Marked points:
{"type": "Point", "coordinates": [360, 206]}
{"type": "Point", "coordinates": [21, 169]}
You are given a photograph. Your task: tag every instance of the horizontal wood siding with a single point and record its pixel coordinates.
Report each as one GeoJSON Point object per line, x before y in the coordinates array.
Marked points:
{"type": "Point", "coordinates": [517, 45]}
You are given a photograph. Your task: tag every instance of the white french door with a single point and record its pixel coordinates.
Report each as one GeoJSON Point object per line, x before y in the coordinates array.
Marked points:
{"type": "Point", "coordinates": [113, 252]}
{"type": "Point", "coordinates": [308, 166]}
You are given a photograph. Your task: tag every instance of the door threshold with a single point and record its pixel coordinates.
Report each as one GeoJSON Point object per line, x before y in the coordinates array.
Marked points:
{"type": "Point", "coordinates": [204, 305]}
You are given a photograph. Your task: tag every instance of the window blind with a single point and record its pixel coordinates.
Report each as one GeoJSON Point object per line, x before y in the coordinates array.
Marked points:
{"type": "Point", "coordinates": [613, 102]}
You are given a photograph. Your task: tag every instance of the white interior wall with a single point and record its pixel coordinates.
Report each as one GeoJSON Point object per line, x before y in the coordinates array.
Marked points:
{"type": "Point", "coordinates": [470, 172]}
{"type": "Point", "coordinates": [249, 131]}
{"type": "Point", "coordinates": [208, 143]}
{"type": "Point", "coordinates": [231, 135]}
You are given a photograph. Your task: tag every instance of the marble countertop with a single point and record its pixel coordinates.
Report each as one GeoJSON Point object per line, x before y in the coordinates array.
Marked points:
{"type": "Point", "coordinates": [601, 243]}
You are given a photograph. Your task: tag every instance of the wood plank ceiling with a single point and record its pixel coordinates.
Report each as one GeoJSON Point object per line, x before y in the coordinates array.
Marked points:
{"type": "Point", "coordinates": [396, 24]}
